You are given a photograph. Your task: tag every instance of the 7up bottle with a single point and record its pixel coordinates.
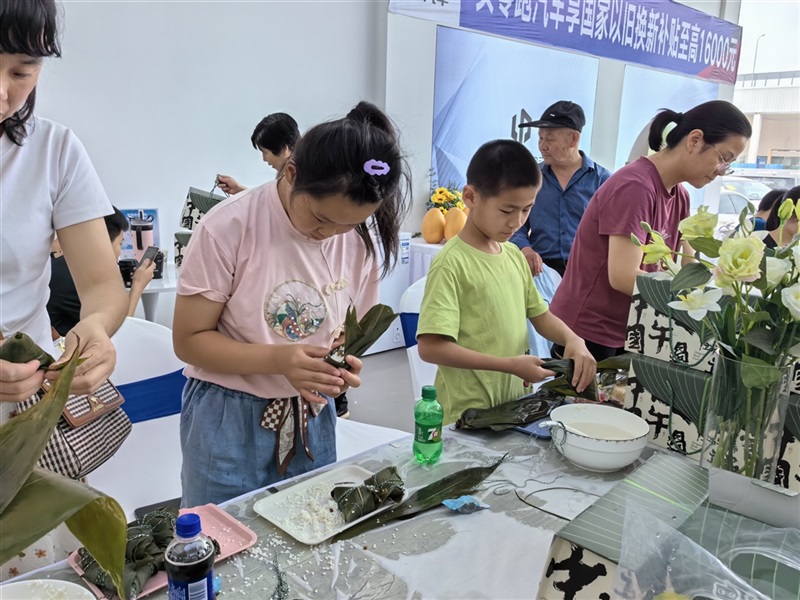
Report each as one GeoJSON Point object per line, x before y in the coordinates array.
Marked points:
{"type": "Point", "coordinates": [428, 415]}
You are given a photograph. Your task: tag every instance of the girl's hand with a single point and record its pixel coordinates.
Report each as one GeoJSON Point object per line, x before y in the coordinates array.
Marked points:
{"type": "Point", "coordinates": [351, 377]}
{"type": "Point", "coordinates": [303, 366]}
{"type": "Point", "coordinates": [528, 368]}
{"type": "Point", "coordinates": [585, 364]}
{"type": "Point", "coordinates": [19, 382]}
{"type": "Point", "coordinates": [96, 348]}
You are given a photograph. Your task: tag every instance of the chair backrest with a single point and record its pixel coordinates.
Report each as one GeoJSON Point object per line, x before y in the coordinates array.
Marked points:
{"type": "Point", "coordinates": [422, 373]}
{"type": "Point", "coordinates": [410, 303]}
{"type": "Point", "coordinates": [144, 350]}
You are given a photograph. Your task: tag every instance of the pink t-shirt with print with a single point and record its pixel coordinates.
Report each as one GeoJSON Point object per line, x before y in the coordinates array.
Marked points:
{"type": "Point", "coordinates": [585, 300]}
{"type": "Point", "coordinates": [278, 286]}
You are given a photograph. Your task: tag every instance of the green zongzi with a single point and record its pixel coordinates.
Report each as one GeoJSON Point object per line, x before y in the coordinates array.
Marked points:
{"type": "Point", "coordinates": [360, 335]}
{"type": "Point", "coordinates": [509, 414]}
{"type": "Point", "coordinates": [356, 501]}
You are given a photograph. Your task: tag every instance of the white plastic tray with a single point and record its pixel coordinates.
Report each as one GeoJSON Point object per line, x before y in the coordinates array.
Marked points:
{"type": "Point", "coordinates": [281, 510]}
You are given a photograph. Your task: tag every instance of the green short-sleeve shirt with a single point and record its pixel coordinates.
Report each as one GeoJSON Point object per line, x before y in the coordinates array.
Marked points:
{"type": "Point", "coordinates": [481, 301]}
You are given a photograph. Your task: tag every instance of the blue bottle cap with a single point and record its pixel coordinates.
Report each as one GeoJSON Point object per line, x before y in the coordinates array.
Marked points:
{"type": "Point", "coordinates": [187, 525]}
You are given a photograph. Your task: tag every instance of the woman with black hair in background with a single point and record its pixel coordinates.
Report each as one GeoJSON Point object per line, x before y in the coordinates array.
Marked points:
{"type": "Point", "coordinates": [594, 297]}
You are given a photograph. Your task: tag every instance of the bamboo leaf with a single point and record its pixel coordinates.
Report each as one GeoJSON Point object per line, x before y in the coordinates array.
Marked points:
{"type": "Point", "coordinates": [708, 246]}
{"type": "Point", "coordinates": [25, 436]}
{"type": "Point", "coordinates": [508, 414]}
{"type": "Point", "coordinates": [432, 495]}
{"type": "Point", "coordinates": [757, 373]}
{"type": "Point", "coordinates": [756, 317]}
{"type": "Point", "coordinates": [621, 362]}
{"type": "Point", "coordinates": [693, 275]}
{"type": "Point", "coordinates": [675, 385]}
{"type": "Point", "coordinates": [46, 500]}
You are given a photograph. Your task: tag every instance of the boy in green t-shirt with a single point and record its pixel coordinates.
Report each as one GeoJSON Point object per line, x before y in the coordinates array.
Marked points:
{"type": "Point", "coordinates": [479, 292]}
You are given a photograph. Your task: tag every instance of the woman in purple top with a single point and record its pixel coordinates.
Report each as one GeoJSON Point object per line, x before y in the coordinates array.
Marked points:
{"type": "Point", "coordinates": [595, 296]}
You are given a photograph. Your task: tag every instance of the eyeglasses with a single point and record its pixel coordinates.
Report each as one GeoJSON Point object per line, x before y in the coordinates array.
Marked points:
{"type": "Point", "coordinates": [724, 166]}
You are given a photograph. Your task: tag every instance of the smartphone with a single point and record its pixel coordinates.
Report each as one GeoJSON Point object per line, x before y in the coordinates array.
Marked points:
{"type": "Point", "coordinates": [150, 253]}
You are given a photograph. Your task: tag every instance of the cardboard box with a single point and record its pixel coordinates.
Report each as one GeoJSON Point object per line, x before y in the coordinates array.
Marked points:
{"type": "Point", "coordinates": [583, 557]}
{"type": "Point", "coordinates": [669, 397]}
{"type": "Point", "coordinates": [673, 336]}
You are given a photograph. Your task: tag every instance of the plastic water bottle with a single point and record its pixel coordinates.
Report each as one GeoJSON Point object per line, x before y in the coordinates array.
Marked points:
{"type": "Point", "coordinates": [428, 416]}
{"type": "Point", "coordinates": [189, 561]}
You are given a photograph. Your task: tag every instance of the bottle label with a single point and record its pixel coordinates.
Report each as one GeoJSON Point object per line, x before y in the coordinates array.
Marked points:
{"type": "Point", "coordinates": [427, 435]}
{"type": "Point", "coordinates": [192, 590]}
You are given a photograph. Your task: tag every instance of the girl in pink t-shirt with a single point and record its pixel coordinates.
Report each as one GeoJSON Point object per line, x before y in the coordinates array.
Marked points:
{"type": "Point", "coordinates": [264, 287]}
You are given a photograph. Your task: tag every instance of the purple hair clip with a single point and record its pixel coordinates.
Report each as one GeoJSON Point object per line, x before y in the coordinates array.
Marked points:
{"type": "Point", "coordinates": [376, 167]}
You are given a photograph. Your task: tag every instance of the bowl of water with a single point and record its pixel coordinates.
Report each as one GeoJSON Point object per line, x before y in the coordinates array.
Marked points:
{"type": "Point", "coordinates": [598, 438]}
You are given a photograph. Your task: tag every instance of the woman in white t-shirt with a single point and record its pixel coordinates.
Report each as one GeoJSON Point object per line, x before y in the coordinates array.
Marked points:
{"type": "Point", "coordinates": [48, 185]}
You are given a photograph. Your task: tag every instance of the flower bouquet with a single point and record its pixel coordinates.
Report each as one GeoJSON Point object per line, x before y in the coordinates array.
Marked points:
{"type": "Point", "coordinates": [746, 297]}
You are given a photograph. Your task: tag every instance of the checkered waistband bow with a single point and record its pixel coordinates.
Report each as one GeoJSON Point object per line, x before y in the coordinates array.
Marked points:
{"type": "Point", "coordinates": [284, 416]}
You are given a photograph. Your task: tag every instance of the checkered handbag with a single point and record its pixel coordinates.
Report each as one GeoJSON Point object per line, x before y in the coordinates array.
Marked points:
{"type": "Point", "coordinates": [91, 429]}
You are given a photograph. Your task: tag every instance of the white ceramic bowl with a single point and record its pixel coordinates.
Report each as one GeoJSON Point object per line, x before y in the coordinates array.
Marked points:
{"type": "Point", "coordinates": [44, 589]}
{"type": "Point", "coordinates": [612, 438]}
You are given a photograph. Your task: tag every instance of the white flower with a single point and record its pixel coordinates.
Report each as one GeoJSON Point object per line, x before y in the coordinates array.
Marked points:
{"type": "Point", "coordinates": [790, 297]}
{"type": "Point", "coordinates": [796, 256]}
{"type": "Point", "coordinates": [698, 302]}
{"type": "Point", "coordinates": [777, 269]}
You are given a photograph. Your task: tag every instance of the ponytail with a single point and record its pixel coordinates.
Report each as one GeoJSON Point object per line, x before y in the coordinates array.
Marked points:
{"type": "Point", "coordinates": [717, 120]}
{"type": "Point", "coordinates": [332, 158]}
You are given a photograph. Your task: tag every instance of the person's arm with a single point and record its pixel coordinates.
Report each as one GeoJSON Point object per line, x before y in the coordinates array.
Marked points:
{"type": "Point", "coordinates": [198, 342]}
{"type": "Point", "coordinates": [440, 350]}
{"type": "Point", "coordinates": [554, 329]}
{"type": "Point", "coordinates": [229, 185]}
{"type": "Point", "coordinates": [686, 248]}
{"type": "Point", "coordinates": [624, 263]}
{"type": "Point", "coordinates": [142, 276]}
{"type": "Point", "coordinates": [521, 240]}
{"type": "Point", "coordinates": [104, 303]}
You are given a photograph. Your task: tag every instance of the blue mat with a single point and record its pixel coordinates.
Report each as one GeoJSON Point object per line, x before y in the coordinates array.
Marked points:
{"type": "Point", "coordinates": [153, 398]}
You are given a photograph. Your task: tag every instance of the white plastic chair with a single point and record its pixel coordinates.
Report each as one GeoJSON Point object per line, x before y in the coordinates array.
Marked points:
{"type": "Point", "coordinates": [422, 373]}
{"type": "Point", "coordinates": [151, 455]}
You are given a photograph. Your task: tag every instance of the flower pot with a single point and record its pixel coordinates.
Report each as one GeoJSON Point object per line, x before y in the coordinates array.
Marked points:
{"type": "Point", "coordinates": [744, 420]}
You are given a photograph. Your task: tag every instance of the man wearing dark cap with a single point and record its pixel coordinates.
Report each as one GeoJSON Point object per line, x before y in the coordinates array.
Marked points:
{"type": "Point", "coordinates": [569, 180]}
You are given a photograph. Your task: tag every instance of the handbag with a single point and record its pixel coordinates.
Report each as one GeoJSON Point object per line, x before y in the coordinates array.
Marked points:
{"type": "Point", "coordinates": [91, 429]}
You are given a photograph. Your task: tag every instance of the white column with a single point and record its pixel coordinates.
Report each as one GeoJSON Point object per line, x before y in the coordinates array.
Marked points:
{"type": "Point", "coordinates": [755, 140]}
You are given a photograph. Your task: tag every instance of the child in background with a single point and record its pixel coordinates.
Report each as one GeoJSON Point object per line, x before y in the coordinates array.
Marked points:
{"type": "Point", "coordinates": [479, 292]}
{"type": "Point", "coordinates": [264, 288]}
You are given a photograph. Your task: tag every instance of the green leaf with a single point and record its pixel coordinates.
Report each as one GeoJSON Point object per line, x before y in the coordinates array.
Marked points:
{"type": "Point", "coordinates": [757, 373]}
{"type": "Point", "coordinates": [761, 338]}
{"type": "Point", "coordinates": [693, 275]}
{"type": "Point", "coordinates": [707, 246]}
{"type": "Point", "coordinates": [756, 317]}
{"type": "Point", "coordinates": [432, 495]}
{"type": "Point", "coordinates": [761, 283]}
{"type": "Point", "coordinates": [621, 362]}
{"type": "Point", "coordinates": [636, 240]}
{"type": "Point", "coordinates": [25, 436]}
{"type": "Point", "coordinates": [46, 500]}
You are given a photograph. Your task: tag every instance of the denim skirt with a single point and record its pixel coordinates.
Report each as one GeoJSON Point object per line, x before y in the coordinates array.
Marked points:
{"type": "Point", "coordinates": [226, 451]}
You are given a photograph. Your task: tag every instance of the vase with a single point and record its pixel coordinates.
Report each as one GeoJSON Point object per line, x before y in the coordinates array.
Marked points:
{"type": "Point", "coordinates": [744, 418]}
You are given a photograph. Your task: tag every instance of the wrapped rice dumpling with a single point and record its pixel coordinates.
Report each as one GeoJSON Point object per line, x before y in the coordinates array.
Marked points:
{"type": "Point", "coordinates": [20, 348]}
{"type": "Point", "coordinates": [607, 374]}
{"type": "Point", "coordinates": [510, 414]}
{"type": "Point", "coordinates": [356, 501]}
{"type": "Point", "coordinates": [148, 538]}
{"type": "Point", "coordinates": [360, 335]}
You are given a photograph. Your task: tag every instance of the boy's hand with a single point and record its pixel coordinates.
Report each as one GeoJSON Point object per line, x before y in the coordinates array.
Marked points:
{"type": "Point", "coordinates": [528, 368]}
{"type": "Point", "coordinates": [585, 364]}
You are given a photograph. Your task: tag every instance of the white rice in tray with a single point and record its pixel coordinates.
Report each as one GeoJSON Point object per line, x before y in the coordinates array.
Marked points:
{"type": "Point", "coordinates": [314, 512]}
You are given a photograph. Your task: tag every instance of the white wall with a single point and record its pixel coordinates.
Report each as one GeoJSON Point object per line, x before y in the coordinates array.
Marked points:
{"type": "Point", "coordinates": [165, 95]}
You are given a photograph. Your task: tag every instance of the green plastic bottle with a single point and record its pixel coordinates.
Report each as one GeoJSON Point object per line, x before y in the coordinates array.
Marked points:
{"type": "Point", "coordinates": [428, 417]}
